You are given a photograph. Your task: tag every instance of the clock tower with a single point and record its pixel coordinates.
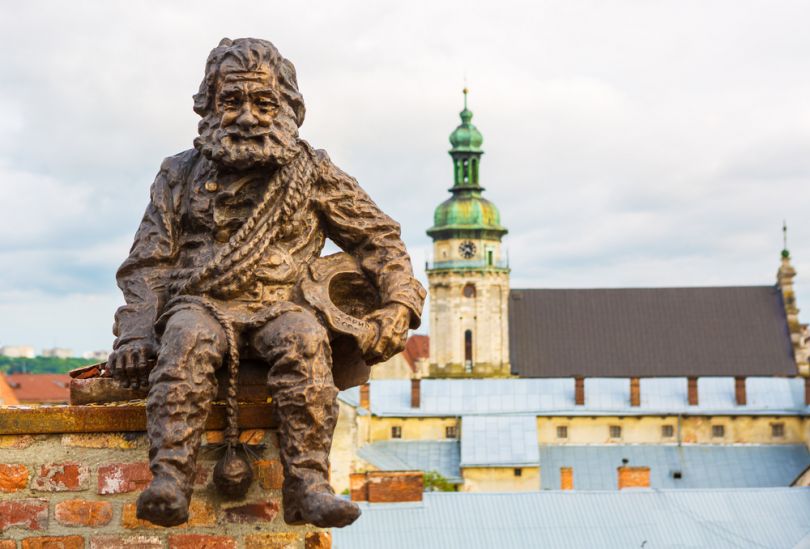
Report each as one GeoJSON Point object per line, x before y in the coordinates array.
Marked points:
{"type": "Point", "coordinates": [469, 276]}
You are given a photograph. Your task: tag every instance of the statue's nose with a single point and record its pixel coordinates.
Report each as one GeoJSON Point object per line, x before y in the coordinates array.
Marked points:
{"type": "Point", "coordinates": [246, 119]}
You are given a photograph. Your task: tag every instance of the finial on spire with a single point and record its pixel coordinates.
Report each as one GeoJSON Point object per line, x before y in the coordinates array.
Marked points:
{"type": "Point", "coordinates": [785, 252]}
{"type": "Point", "coordinates": [465, 91]}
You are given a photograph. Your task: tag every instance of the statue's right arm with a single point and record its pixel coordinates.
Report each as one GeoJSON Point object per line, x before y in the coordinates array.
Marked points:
{"type": "Point", "coordinates": [143, 279]}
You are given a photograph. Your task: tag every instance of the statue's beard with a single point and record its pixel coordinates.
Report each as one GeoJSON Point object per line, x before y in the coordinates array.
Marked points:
{"type": "Point", "coordinates": [237, 149]}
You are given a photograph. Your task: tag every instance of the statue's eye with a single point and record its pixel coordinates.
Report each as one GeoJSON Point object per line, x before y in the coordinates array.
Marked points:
{"type": "Point", "coordinates": [264, 103]}
{"type": "Point", "coordinates": [229, 101]}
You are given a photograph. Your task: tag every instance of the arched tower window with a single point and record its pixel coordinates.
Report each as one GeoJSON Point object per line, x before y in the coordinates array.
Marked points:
{"type": "Point", "coordinates": [468, 350]}
{"type": "Point", "coordinates": [469, 290]}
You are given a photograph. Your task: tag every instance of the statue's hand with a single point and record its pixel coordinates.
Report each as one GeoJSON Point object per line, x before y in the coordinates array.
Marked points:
{"type": "Point", "coordinates": [392, 328]}
{"type": "Point", "coordinates": [129, 364]}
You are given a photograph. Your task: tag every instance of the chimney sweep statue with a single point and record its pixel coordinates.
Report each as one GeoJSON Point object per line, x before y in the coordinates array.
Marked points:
{"type": "Point", "coordinates": [226, 264]}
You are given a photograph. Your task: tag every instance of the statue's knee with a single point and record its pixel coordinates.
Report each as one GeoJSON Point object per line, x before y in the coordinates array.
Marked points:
{"type": "Point", "coordinates": [194, 329]}
{"type": "Point", "coordinates": [297, 331]}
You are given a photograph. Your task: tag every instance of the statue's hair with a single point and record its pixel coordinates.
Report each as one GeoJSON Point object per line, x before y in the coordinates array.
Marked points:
{"type": "Point", "coordinates": [250, 53]}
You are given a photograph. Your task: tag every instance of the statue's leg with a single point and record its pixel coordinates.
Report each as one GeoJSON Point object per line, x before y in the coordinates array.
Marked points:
{"type": "Point", "coordinates": [297, 348]}
{"type": "Point", "coordinates": [181, 388]}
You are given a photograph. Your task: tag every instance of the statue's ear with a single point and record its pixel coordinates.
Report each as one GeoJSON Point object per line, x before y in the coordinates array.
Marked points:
{"type": "Point", "coordinates": [225, 42]}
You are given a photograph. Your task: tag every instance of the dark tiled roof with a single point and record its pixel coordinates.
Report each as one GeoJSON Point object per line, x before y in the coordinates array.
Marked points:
{"type": "Point", "coordinates": [646, 332]}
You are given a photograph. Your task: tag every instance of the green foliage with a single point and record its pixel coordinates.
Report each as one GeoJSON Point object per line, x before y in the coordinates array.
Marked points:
{"type": "Point", "coordinates": [435, 482]}
{"type": "Point", "coordinates": [42, 365]}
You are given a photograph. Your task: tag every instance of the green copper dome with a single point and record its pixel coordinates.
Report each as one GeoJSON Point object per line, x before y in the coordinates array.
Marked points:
{"type": "Point", "coordinates": [466, 214]}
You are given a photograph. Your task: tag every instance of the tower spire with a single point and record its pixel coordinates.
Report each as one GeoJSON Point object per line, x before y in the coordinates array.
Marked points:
{"type": "Point", "coordinates": [785, 251]}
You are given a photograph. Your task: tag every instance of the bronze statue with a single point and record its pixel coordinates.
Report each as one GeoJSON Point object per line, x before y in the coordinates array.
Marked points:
{"type": "Point", "coordinates": [226, 264]}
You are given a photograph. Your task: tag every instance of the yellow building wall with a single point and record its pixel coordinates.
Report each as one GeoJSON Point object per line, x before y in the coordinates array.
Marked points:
{"type": "Point", "coordinates": [500, 479]}
{"type": "Point", "coordinates": [693, 430]}
{"type": "Point", "coordinates": [344, 444]}
{"type": "Point", "coordinates": [431, 428]}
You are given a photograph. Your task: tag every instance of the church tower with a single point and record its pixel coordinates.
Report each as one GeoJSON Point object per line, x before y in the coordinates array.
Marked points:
{"type": "Point", "coordinates": [469, 277]}
{"type": "Point", "coordinates": [798, 332]}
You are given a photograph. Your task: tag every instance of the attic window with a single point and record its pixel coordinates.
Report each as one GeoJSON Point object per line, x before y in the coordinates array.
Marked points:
{"type": "Point", "coordinates": [777, 430]}
{"type": "Point", "coordinates": [396, 431]}
{"type": "Point", "coordinates": [451, 431]}
{"type": "Point", "coordinates": [615, 431]}
{"type": "Point", "coordinates": [677, 475]}
{"type": "Point", "coordinates": [718, 431]}
{"type": "Point", "coordinates": [562, 431]}
{"type": "Point", "coordinates": [667, 431]}
{"type": "Point", "coordinates": [518, 472]}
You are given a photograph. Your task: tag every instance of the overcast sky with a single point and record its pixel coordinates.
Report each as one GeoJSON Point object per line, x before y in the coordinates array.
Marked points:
{"type": "Point", "coordinates": [628, 143]}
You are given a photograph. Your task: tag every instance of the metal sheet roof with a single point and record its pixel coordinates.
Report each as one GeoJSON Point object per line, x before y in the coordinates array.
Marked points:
{"type": "Point", "coordinates": [498, 441]}
{"type": "Point", "coordinates": [701, 466]}
{"type": "Point", "coordinates": [720, 519]}
{"type": "Point", "coordinates": [649, 332]}
{"type": "Point", "coordinates": [441, 456]}
{"type": "Point", "coordinates": [603, 396]}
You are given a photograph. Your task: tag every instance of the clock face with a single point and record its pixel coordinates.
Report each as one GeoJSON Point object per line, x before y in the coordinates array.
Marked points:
{"type": "Point", "coordinates": [467, 249]}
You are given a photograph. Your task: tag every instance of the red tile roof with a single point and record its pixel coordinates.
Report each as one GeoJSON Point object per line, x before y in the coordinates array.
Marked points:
{"type": "Point", "coordinates": [40, 388]}
{"type": "Point", "coordinates": [7, 397]}
{"type": "Point", "coordinates": [417, 346]}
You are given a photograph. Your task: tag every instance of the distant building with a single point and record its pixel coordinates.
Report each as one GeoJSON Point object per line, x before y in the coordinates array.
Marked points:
{"type": "Point", "coordinates": [40, 389]}
{"type": "Point", "coordinates": [96, 355]}
{"type": "Point", "coordinates": [17, 351]}
{"type": "Point", "coordinates": [58, 352]}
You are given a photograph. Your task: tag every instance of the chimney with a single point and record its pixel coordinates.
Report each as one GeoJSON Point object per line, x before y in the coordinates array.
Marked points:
{"type": "Point", "coordinates": [739, 390]}
{"type": "Point", "coordinates": [635, 391]}
{"type": "Point", "coordinates": [579, 391]}
{"type": "Point", "coordinates": [416, 392]}
{"type": "Point", "coordinates": [365, 396]}
{"type": "Point", "coordinates": [807, 391]}
{"type": "Point", "coordinates": [386, 486]}
{"type": "Point", "coordinates": [633, 477]}
{"type": "Point", "coordinates": [566, 478]}
{"type": "Point", "coordinates": [692, 389]}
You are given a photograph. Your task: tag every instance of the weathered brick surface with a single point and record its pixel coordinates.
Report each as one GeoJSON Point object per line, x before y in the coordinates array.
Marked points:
{"type": "Point", "coordinates": [126, 542]}
{"type": "Point", "coordinates": [263, 511]}
{"type": "Point", "coordinates": [201, 541]}
{"type": "Point", "coordinates": [270, 473]}
{"type": "Point", "coordinates": [358, 487]}
{"type": "Point", "coordinates": [81, 512]}
{"type": "Point", "coordinates": [61, 477]}
{"type": "Point", "coordinates": [16, 441]}
{"type": "Point", "coordinates": [391, 486]}
{"type": "Point", "coordinates": [201, 513]}
{"type": "Point", "coordinates": [318, 540]}
{"type": "Point", "coordinates": [121, 441]}
{"type": "Point", "coordinates": [634, 477]}
{"type": "Point", "coordinates": [566, 478]}
{"type": "Point", "coordinates": [54, 542]}
{"type": "Point", "coordinates": [13, 477]}
{"type": "Point", "coordinates": [282, 540]}
{"type": "Point", "coordinates": [120, 478]}
{"type": "Point", "coordinates": [31, 514]}
{"type": "Point", "coordinates": [8, 544]}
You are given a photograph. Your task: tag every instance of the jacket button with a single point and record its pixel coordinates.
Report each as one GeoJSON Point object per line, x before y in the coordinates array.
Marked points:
{"type": "Point", "coordinates": [222, 235]}
{"type": "Point", "coordinates": [275, 260]}
{"type": "Point", "coordinates": [211, 186]}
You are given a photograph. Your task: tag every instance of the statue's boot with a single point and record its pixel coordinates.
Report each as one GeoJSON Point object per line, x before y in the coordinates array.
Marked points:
{"type": "Point", "coordinates": [182, 387]}
{"type": "Point", "coordinates": [305, 400]}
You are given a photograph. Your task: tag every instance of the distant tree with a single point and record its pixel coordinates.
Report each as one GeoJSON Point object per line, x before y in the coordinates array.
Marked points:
{"type": "Point", "coordinates": [435, 482]}
{"type": "Point", "coordinates": [41, 365]}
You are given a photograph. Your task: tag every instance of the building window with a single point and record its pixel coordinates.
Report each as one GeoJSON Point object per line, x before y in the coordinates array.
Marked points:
{"type": "Point", "coordinates": [469, 290]}
{"type": "Point", "coordinates": [396, 431]}
{"type": "Point", "coordinates": [451, 431]}
{"type": "Point", "coordinates": [562, 431]}
{"type": "Point", "coordinates": [615, 431]}
{"type": "Point", "coordinates": [518, 471]}
{"type": "Point", "coordinates": [490, 258]}
{"type": "Point", "coordinates": [777, 430]}
{"type": "Point", "coordinates": [667, 431]}
{"type": "Point", "coordinates": [468, 349]}
{"type": "Point", "coordinates": [718, 431]}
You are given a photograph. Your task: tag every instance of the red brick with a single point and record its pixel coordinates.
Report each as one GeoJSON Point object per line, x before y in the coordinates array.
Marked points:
{"type": "Point", "coordinates": [8, 544]}
{"type": "Point", "coordinates": [120, 478]}
{"type": "Point", "coordinates": [80, 512]}
{"type": "Point", "coordinates": [13, 477]}
{"type": "Point", "coordinates": [61, 477]}
{"type": "Point", "coordinates": [200, 513]}
{"type": "Point", "coordinates": [201, 541]}
{"type": "Point", "coordinates": [126, 542]}
{"type": "Point", "coordinates": [271, 474]}
{"type": "Point", "coordinates": [263, 511]}
{"type": "Point", "coordinates": [634, 477]}
{"type": "Point", "coordinates": [54, 542]}
{"type": "Point", "coordinates": [318, 540]}
{"type": "Point", "coordinates": [285, 540]}
{"type": "Point", "coordinates": [392, 486]}
{"type": "Point", "coordinates": [24, 513]}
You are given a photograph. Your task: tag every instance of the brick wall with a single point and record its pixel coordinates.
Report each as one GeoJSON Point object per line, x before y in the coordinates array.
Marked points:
{"type": "Point", "coordinates": [78, 490]}
{"type": "Point", "coordinates": [634, 477]}
{"type": "Point", "coordinates": [386, 486]}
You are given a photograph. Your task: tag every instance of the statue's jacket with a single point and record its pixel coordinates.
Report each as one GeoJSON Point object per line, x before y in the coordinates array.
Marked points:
{"type": "Point", "coordinates": [194, 212]}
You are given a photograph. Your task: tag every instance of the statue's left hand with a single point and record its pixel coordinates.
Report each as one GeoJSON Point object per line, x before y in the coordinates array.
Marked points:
{"type": "Point", "coordinates": [392, 328]}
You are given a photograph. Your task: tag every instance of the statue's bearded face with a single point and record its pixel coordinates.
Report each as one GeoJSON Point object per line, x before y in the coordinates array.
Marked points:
{"type": "Point", "coordinates": [250, 125]}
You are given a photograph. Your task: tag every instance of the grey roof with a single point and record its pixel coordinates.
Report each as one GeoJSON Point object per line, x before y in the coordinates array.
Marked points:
{"type": "Point", "coordinates": [774, 518]}
{"type": "Point", "coordinates": [498, 441]}
{"type": "Point", "coordinates": [441, 456]}
{"type": "Point", "coordinates": [603, 396]}
{"type": "Point", "coordinates": [702, 466]}
{"type": "Point", "coordinates": [638, 332]}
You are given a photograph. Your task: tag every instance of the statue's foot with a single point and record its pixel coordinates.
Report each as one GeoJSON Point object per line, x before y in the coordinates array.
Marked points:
{"type": "Point", "coordinates": [321, 509]}
{"type": "Point", "coordinates": [163, 503]}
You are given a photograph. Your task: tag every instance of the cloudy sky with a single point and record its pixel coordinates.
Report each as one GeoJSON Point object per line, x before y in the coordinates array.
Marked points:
{"type": "Point", "coordinates": [628, 143]}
